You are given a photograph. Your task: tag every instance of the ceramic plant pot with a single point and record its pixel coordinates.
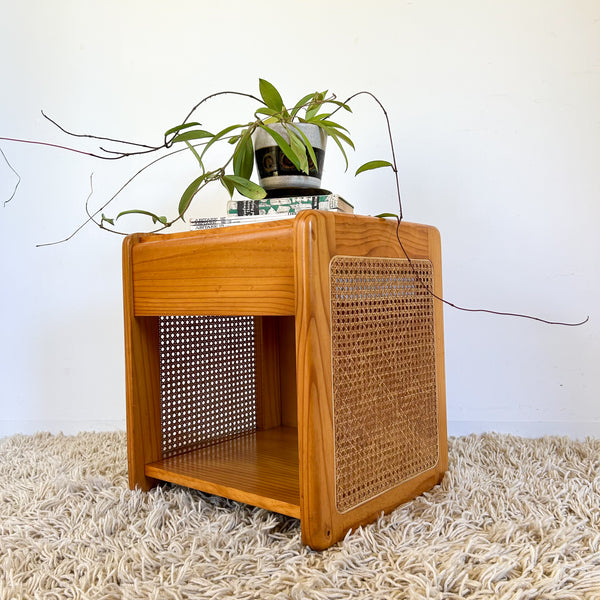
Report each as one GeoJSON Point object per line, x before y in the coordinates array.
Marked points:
{"type": "Point", "coordinates": [275, 170]}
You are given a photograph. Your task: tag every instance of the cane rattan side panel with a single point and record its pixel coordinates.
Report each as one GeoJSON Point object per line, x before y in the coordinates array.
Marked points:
{"type": "Point", "coordinates": [384, 375]}
{"type": "Point", "coordinates": [207, 373]}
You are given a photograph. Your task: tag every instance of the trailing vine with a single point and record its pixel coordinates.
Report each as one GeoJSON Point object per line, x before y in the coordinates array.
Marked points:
{"type": "Point", "coordinates": [311, 108]}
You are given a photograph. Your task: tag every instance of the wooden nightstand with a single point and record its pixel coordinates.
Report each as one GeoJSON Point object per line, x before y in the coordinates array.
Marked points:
{"type": "Point", "coordinates": [296, 365]}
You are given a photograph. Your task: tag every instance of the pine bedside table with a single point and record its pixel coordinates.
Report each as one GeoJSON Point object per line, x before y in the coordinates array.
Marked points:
{"type": "Point", "coordinates": [296, 365]}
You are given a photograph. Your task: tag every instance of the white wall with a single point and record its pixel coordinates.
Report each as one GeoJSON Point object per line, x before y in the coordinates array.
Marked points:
{"type": "Point", "coordinates": [495, 107]}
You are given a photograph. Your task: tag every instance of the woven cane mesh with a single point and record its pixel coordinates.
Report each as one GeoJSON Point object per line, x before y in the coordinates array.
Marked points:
{"type": "Point", "coordinates": [384, 376]}
{"type": "Point", "coordinates": [207, 380]}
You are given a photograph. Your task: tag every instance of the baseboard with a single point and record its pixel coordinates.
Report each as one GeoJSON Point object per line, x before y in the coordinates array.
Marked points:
{"type": "Point", "coordinates": [572, 429]}
{"type": "Point", "coordinates": [531, 429]}
{"type": "Point", "coordinates": [29, 427]}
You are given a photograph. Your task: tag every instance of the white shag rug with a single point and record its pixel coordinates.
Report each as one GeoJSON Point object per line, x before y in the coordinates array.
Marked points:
{"type": "Point", "coordinates": [514, 519]}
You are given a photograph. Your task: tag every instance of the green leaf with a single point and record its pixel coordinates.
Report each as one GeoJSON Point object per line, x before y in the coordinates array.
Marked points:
{"type": "Point", "coordinates": [311, 113]}
{"type": "Point", "coordinates": [186, 136]}
{"type": "Point", "coordinates": [373, 164]}
{"type": "Point", "coordinates": [386, 215]}
{"type": "Point", "coordinates": [243, 158]}
{"type": "Point", "coordinates": [245, 187]}
{"type": "Point", "coordinates": [308, 145]}
{"type": "Point", "coordinates": [332, 132]}
{"type": "Point", "coordinates": [299, 150]}
{"type": "Point", "coordinates": [316, 119]}
{"type": "Point", "coordinates": [138, 211]}
{"type": "Point", "coordinates": [334, 137]}
{"type": "Point", "coordinates": [195, 153]}
{"type": "Point", "coordinates": [228, 185]}
{"type": "Point", "coordinates": [180, 127]}
{"type": "Point", "coordinates": [340, 104]}
{"type": "Point", "coordinates": [301, 103]}
{"type": "Point", "coordinates": [190, 192]}
{"type": "Point", "coordinates": [285, 147]}
{"type": "Point", "coordinates": [337, 126]}
{"type": "Point", "coordinates": [346, 139]}
{"type": "Point", "coordinates": [315, 106]}
{"type": "Point", "coordinates": [270, 95]}
{"type": "Point", "coordinates": [219, 135]}
{"type": "Point", "coordinates": [106, 219]}
{"type": "Point", "coordinates": [266, 111]}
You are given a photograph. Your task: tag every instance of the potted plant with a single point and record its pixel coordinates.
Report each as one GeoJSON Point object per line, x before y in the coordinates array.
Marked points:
{"type": "Point", "coordinates": [287, 144]}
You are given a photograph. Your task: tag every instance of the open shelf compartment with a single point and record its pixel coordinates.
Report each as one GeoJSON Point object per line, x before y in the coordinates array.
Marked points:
{"type": "Point", "coordinates": [259, 468]}
{"type": "Point", "coordinates": [228, 414]}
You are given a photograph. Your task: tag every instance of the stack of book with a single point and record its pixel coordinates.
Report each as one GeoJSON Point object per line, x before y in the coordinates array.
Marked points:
{"type": "Point", "coordinates": [268, 209]}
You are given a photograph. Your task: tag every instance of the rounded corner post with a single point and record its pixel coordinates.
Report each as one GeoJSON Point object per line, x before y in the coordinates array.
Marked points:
{"type": "Point", "coordinates": [142, 379]}
{"type": "Point", "coordinates": [314, 241]}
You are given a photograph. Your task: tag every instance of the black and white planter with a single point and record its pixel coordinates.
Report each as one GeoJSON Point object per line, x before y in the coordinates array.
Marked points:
{"type": "Point", "coordinates": [276, 173]}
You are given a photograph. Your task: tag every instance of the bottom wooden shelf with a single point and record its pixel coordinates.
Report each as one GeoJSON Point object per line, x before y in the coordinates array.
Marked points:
{"type": "Point", "coordinates": [259, 468]}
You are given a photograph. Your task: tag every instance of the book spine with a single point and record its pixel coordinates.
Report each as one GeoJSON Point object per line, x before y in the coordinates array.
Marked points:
{"type": "Point", "coordinates": [215, 222]}
{"type": "Point", "coordinates": [289, 206]}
